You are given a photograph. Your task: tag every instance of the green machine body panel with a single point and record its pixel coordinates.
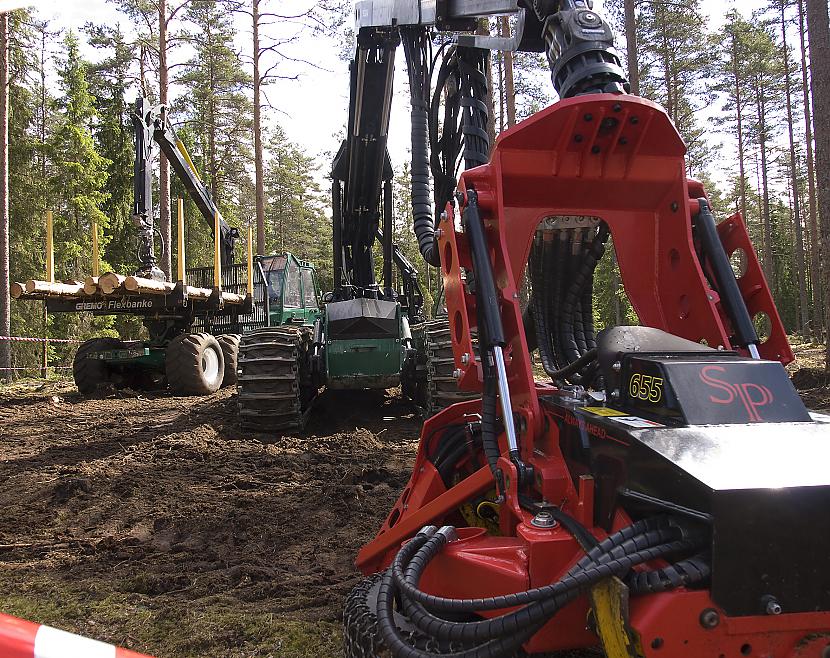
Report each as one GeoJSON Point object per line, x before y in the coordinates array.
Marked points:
{"type": "Point", "coordinates": [133, 354]}
{"type": "Point", "coordinates": [364, 346]}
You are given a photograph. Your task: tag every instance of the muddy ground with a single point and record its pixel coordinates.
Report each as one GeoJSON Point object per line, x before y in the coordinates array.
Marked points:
{"type": "Point", "coordinates": [152, 522]}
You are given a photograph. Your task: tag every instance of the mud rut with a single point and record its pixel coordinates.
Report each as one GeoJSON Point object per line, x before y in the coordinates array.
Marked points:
{"type": "Point", "coordinates": [154, 523]}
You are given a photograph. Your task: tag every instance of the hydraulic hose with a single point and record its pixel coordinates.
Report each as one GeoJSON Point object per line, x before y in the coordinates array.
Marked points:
{"type": "Point", "coordinates": [681, 574]}
{"type": "Point", "coordinates": [415, 43]}
{"type": "Point", "coordinates": [639, 543]}
{"type": "Point", "coordinates": [538, 306]}
{"type": "Point", "coordinates": [504, 601]}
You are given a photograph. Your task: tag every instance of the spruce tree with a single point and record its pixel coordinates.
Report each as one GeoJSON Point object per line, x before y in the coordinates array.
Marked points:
{"type": "Point", "coordinates": [79, 172]}
{"type": "Point", "coordinates": [216, 102]}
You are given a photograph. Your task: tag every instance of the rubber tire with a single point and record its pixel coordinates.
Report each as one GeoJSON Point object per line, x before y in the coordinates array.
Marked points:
{"type": "Point", "coordinates": [183, 364]}
{"type": "Point", "coordinates": [230, 351]}
{"type": "Point", "coordinates": [88, 373]}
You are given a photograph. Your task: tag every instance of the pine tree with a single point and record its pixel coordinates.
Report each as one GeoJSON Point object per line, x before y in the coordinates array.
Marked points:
{"type": "Point", "coordinates": [800, 271]}
{"type": "Point", "coordinates": [819, 29]}
{"type": "Point", "coordinates": [815, 255]}
{"type": "Point", "coordinates": [109, 82]}
{"type": "Point", "coordinates": [674, 62]}
{"type": "Point", "coordinates": [217, 103]}
{"type": "Point", "coordinates": [5, 279]}
{"type": "Point", "coordinates": [79, 174]}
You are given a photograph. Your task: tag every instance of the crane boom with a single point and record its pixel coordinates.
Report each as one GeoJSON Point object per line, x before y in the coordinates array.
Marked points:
{"type": "Point", "coordinates": [153, 124]}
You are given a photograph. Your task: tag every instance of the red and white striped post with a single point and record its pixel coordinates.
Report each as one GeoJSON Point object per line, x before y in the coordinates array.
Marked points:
{"type": "Point", "coordinates": [24, 639]}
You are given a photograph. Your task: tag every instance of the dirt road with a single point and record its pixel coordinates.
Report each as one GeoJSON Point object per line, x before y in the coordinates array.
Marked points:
{"type": "Point", "coordinates": [153, 523]}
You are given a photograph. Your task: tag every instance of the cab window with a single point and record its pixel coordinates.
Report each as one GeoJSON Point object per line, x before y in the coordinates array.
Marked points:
{"type": "Point", "coordinates": [292, 286]}
{"type": "Point", "coordinates": [309, 298]}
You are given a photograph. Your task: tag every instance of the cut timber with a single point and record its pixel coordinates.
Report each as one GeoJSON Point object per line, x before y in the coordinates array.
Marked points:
{"type": "Point", "coordinates": [17, 290]}
{"type": "Point", "coordinates": [143, 286]}
{"type": "Point", "coordinates": [150, 286]}
{"type": "Point", "coordinates": [110, 282]}
{"type": "Point", "coordinates": [45, 288]}
{"type": "Point", "coordinates": [91, 285]}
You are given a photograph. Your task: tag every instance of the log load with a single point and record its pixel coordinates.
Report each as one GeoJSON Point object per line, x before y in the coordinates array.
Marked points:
{"type": "Point", "coordinates": [115, 284]}
{"type": "Point", "coordinates": [110, 282]}
{"type": "Point", "coordinates": [91, 285]}
{"type": "Point", "coordinates": [47, 289]}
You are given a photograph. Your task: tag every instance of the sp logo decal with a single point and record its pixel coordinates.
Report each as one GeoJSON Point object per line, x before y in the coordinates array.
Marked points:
{"type": "Point", "coordinates": [753, 397]}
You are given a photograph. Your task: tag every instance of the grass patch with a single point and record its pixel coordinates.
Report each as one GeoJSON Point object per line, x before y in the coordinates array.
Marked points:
{"type": "Point", "coordinates": [165, 627]}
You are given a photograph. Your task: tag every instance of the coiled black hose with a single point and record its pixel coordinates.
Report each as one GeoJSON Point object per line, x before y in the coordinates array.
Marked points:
{"type": "Point", "coordinates": [415, 43]}
{"type": "Point", "coordinates": [695, 570]}
{"type": "Point", "coordinates": [538, 308]}
{"type": "Point", "coordinates": [642, 542]}
{"type": "Point", "coordinates": [578, 284]}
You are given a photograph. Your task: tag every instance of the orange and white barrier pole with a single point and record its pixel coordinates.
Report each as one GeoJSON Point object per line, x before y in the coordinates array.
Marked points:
{"type": "Point", "coordinates": [23, 639]}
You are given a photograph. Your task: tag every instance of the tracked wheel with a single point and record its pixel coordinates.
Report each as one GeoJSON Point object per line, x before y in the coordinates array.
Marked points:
{"type": "Point", "coordinates": [441, 385]}
{"type": "Point", "coordinates": [194, 364]}
{"type": "Point", "coordinates": [90, 373]}
{"type": "Point", "coordinates": [230, 351]}
{"type": "Point", "coordinates": [275, 384]}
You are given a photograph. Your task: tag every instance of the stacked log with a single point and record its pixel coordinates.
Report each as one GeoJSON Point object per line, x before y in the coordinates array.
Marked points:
{"type": "Point", "coordinates": [109, 284]}
{"type": "Point", "coordinates": [91, 285]}
{"type": "Point", "coordinates": [48, 289]}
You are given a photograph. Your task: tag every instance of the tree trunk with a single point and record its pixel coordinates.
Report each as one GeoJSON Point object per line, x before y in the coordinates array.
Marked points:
{"type": "Point", "coordinates": [769, 255]}
{"type": "Point", "coordinates": [740, 119]}
{"type": "Point", "coordinates": [819, 29]}
{"type": "Point", "coordinates": [259, 168]}
{"type": "Point", "coordinates": [5, 281]}
{"type": "Point", "coordinates": [509, 84]}
{"type": "Point", "coordinates": [815, 255]}
{"type": "Point", "coordinates": [799, 236]}
{"type": "Point", "coordinates": [164, 165]}
{"type": "Point", "coordinates": [631, 45]}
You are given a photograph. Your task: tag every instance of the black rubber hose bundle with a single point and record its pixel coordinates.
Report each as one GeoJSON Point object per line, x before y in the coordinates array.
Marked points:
{"type": "Point", "coordinates": [415, 43]}
{"type": "Point", "coordinates": [639, 543]}
{"type": "Point", "coordinates": [538, 307]}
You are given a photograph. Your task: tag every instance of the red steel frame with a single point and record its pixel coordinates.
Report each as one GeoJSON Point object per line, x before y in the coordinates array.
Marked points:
{"type": "Point", "coordinates": [618, 158]}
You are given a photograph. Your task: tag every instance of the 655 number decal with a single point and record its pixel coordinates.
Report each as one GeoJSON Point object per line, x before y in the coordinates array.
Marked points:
{"type": "Point", "coordinates": [646, 387]}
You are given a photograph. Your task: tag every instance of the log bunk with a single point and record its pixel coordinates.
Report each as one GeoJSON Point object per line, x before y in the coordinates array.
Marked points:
{"type": "Point", "coordinates": [96, 291]}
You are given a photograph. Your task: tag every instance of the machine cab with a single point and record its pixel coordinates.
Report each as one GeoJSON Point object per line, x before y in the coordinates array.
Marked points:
{"type": "Point", "coordinates": [292, 291]}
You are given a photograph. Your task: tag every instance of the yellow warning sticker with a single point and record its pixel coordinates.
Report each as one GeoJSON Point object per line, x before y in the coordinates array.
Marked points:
{"type": "Point", "coordinates": [604, 411]}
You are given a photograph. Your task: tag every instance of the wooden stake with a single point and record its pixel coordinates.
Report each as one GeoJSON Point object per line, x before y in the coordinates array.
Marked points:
{"type": "Point", "coordinates": [250, 261]}
{"type": "Point", "coordinates": [217, 253]}
{"type": "Point", "coordinates": [181, 263]}
{"type": "Point", "coordinates": [50, 248]}
{"type": "Point", "coordinates": [96, 258]}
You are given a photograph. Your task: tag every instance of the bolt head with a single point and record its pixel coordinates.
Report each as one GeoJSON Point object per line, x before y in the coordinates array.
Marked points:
{"type": "Point", "coordinates": [615, 394]}
{"type": "Point", "coordinates": [617, 366]}
{"type": "Point", "coordinates": [457, 373]}
{"type": "Point", "coordinates": [444, 216]}
{"type": "Point", "coordinates": [543, 520]}
{"type": "Point", "coordinates": [774, 607]}
{"type": "Point", "coordinates": [465, 358]}
{"type": "Point", "coordinates": [709, 618]}
{"type": "Point", "coordinates": [439, 233]}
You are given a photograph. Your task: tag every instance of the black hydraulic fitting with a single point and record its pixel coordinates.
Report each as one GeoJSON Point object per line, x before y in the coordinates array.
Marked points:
{"type": "Point", "coordinates": [580, 49]}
